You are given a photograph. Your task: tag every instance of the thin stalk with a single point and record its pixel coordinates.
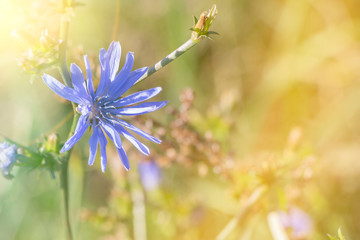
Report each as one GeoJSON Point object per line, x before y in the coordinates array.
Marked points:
{"type": "Point", "coordinates": [117, 19]}
{"type": "Point", "coordinates": [64, 31]}
{"type": "Point", "coordinates": [169, 58]}
{"type": "Point", "coordinates": [60, 124]}
{"type": "Point", "coordinates": [138, 207]}
{"type": "Point", "coordinates": [64, 177]}
{"type": "Point", "coordinates": [276, 227]}
{"type": "Point", "coordinates": [200, 31]}
{"type": "Point", "coordinates": [251, 201]}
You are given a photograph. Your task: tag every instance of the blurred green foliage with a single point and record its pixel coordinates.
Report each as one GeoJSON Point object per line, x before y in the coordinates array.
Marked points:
{"type": "Point", "coordinates": [341, 237]}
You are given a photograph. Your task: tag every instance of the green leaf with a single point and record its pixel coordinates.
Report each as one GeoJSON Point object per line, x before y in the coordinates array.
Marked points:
{"type": "Point", "coordinates": [213, 32]}
{"type": "Point", "coordinates": [195, 20]}
{"type": "Point", "coordinates": [332, 238]}
{"type": "Point", "coordinates": [340, 235]}
{"type": "Point", "coordinates": [195, 30]}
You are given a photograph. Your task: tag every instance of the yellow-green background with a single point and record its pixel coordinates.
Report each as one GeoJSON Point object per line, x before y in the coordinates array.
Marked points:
{"type": "Point", "coordinates": [276, 65]}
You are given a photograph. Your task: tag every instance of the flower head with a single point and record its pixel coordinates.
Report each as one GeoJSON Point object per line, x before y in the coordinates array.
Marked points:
{"type": "Point", "coordinates": [7, 158]}
{"type": "Point", "coordinates": [102, 109]}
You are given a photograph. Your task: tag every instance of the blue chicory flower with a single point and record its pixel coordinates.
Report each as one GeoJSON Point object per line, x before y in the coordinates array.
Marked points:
{"type": "Point", "coordinates": [7, 158]}
{"type": "Point", "coordinates": [150, 175]}
{"type": "Point", "coordinates": [102, 109]}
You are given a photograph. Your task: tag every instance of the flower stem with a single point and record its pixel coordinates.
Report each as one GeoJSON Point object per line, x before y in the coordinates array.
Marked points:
{"type": "Point", "coordinates": [169, 58]}
{"type": "Point", "coordinates": [64, 186]}
{"type": "Point", "coordinates": [64, 177]}
{"type": "Point", "coordinates": [138, 207]}
{"type": "Point", "coordinates": [117, 19]}
{"type": "Point", "coordinates": [200, 31]}
{"type": "Point", "coordinates": [251, 201]}
{"type": "Point", "coordinates": [64, 31]}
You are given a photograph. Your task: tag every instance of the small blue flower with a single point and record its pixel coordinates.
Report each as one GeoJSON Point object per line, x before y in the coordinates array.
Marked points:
{"type": "Point", "coordinates": [7, 158]}
{"type": "Point", "coordinates": [150, 175]}
{"type": "Point", "coordinates": [102, 109]}
{"type": "Point", "coordinates": [297, 221]}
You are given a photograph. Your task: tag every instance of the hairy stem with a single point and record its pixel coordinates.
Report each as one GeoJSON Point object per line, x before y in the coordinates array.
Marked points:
{"type": "Point", "coordinates": [200, 31]}
{"type": "Point", "coordinates": [169, 58]}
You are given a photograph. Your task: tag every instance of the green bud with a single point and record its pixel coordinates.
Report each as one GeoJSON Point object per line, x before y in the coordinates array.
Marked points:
{"type": "Point", "coordinates": [201, 26]}
{"type": "Point", "coordinates": [52, 143]}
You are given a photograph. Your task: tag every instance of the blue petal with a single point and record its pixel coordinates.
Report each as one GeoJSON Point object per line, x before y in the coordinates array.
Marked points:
{"type": "Point", "coordinates": [105, 71]}
{"type": "Point", "coordinates": [137, 97]}
{"type": "Point", "coordinates": [104, 82]}
{"type": "Point", "coordinates": [90, 85]}
{"type": "Point", "coordinates": [136, 130]}
{"type": "Point", "coordinates": [142, 108]}
{"type": "Point", "coordinates": [102, 57]}
{"type": "Point", "coordinates": [93, 143]}
{"type": "Point", "coordinates": [112, 133]}
{"type": "Point", "coordinates": [139, 145]}
{"type": "Point", "coordinates": [81, 127]}
{"type": "Point", "coordinates": [123, 157]}
{"type": "Point", "coordinates": [78, 80]}
{"type": "Point", "coordinates": [120, 79]}
{"type": "Point", "coordinates": [62, 90]}
{"type": "Point", "coordinates": [114, 55]}
{"type": "Point", "coordinates": [130, 81]}
{"type": "Point", "coordinates": [102, 142]}
{"type": "Point", "coordinates": [110, 64]}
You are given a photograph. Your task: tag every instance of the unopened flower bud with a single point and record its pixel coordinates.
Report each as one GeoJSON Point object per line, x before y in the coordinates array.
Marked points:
{"type": "Point", "coordinates": [52, 143]}
{"type": "Point", "coordinates": [201, 28]}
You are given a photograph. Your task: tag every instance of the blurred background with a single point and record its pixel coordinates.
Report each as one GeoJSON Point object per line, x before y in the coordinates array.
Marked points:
{"type": "Point", "coordinates": [261, 134]}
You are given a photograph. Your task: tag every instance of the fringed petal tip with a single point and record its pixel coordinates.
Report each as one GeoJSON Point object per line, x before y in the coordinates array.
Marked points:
{"type": "Point", "coordinates": [114, 44]}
